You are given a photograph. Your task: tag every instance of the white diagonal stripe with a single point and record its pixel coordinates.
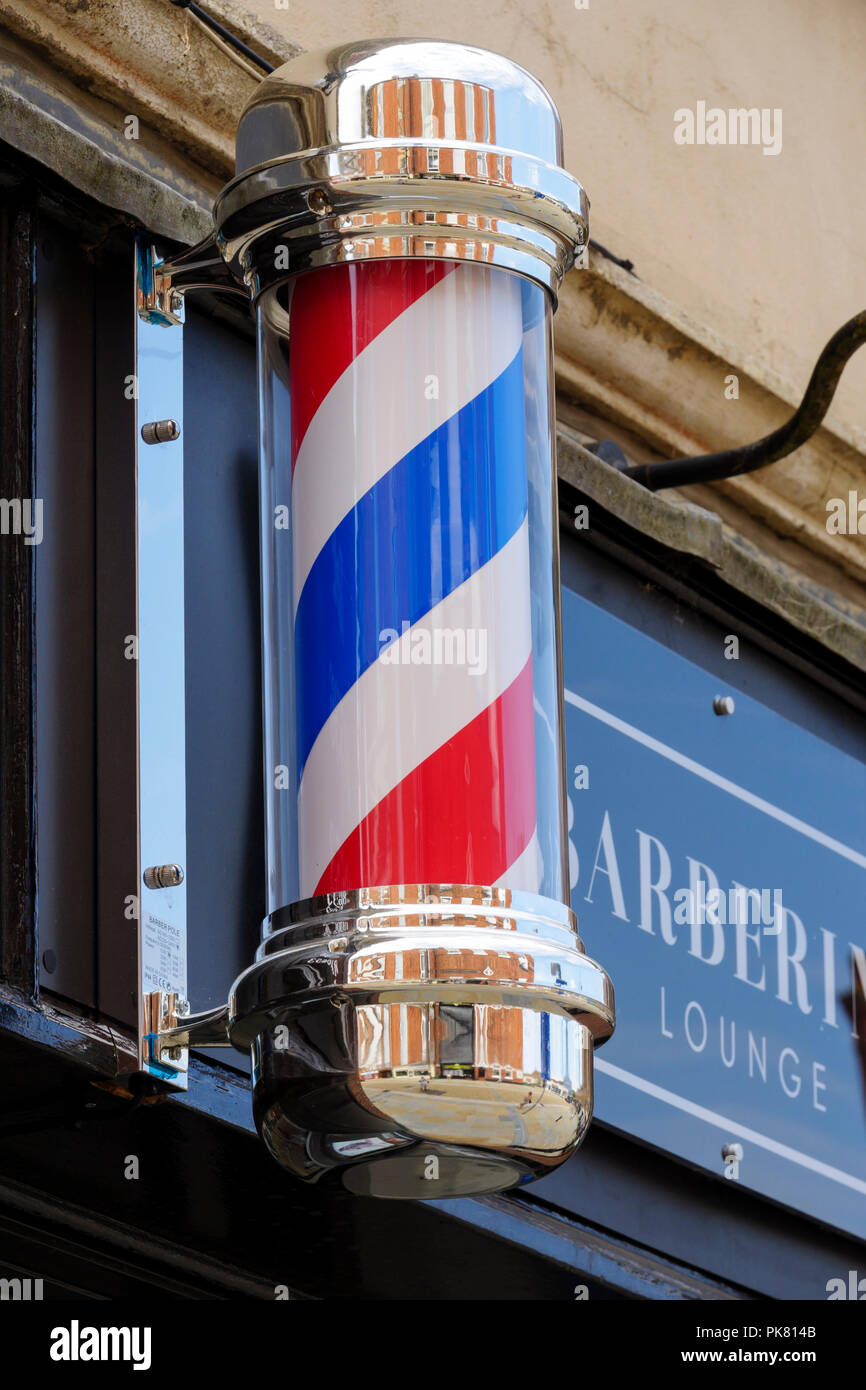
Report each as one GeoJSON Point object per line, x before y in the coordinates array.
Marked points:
{"type": "Point", "coordinates": [379, 410]}
{"type": "Point", "coordinates": [396, 715]}
{"type": "Point", "coordinates": [525, 873]}
{"type": "Point", "coordinates": [728, 1126]}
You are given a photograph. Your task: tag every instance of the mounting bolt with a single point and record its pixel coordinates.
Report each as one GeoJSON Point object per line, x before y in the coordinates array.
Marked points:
{"type": "Point", "coordinates": [319, 202]}
{"type": "Point", "coordinates": [181, 1008]}
{"type": "Point", "coordinates": [723, 704]}
{"type": "Point", "coordinates": [174, 1054]}
{"type": "Point", "coordinates": [160, 431]}
{"type": "Point", "coordinates": [163, 876]}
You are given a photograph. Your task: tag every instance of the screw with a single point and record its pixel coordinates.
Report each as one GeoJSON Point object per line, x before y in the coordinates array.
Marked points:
{"type": "Point", "coordinates": [348, 246]}
{"type": "Point", "coordinates": [182, 1007]}
{"type": "Point", "coordinates": [723, 704]}
{"type": "Point", "coordinates": [174, 1054]}
{"type": "Point", "coordinates": [318, 202]}
{"type": "Point", "coordinates": [160, 431]}
{"type": "Point", "coordinates": [732, 1152]}
{"type": "Point", "coordinates": [163, 876]}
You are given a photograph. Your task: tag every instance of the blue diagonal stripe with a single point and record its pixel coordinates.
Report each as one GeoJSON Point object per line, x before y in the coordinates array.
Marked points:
{"type": "Point", "coordinates": [434, 519]}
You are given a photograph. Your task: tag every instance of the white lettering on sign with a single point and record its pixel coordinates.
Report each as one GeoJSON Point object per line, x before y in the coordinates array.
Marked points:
{"type": "Point", "coordinates": [740, 1048]}
{"type": "Point", "coordinates": [753, 932]}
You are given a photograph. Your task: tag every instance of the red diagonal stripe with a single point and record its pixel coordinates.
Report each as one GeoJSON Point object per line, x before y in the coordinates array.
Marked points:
{"type": "Point", "coordinates": [335, 312]}
{"type": "Point", "coordinates": [464, 815]}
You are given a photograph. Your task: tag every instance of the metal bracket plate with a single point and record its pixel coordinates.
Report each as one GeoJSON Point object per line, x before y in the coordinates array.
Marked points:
{"type": "Point", "coordinates": [161, 710]}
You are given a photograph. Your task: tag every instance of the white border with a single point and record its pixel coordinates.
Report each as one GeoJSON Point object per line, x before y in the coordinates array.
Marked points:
{"type": "Point", "coordinates": [717, 781]}
{"type": "Point", "coordinates": [732, 1127]}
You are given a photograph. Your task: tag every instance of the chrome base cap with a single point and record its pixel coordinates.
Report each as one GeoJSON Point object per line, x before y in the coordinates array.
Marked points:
{"type": "Point", "coordinates": [422, 1040]}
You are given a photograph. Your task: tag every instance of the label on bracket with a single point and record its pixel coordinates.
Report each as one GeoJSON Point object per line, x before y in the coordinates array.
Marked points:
{"type": "Point", "coordinates": [163, 955]}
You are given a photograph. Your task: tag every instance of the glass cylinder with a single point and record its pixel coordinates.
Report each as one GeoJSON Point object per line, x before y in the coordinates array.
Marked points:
{"type": "Point", "coordinates": [410, 581]}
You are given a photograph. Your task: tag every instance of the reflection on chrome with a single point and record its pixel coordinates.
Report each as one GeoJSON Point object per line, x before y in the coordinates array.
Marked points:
{"type": "Point", "coordinates": [458, 1058]}
{"type": "Point", "coordinates": [408, 148]}
{"type": "Point", "coordinates": [523, 1073]}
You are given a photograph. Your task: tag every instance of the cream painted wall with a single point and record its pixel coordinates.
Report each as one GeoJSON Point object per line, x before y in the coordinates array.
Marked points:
{"type": "Point", "coordinates": [768, 251]}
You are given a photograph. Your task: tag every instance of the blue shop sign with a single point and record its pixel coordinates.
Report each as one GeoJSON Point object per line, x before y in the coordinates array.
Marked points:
{"type": "Point", "coordinates": [718, 869]}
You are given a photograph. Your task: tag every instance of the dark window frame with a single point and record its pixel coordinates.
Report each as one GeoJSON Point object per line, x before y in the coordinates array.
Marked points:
{"type": "Point", "coordinates": [18, 588]}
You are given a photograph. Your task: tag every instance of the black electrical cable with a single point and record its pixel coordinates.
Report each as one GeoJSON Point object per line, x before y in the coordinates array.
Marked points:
{"type": "Point", "coordinates": [224, 34]}
{"type": "Point", "coordinates": [609, 256]}
{"type": "Point", "coordinates": [731, 463]}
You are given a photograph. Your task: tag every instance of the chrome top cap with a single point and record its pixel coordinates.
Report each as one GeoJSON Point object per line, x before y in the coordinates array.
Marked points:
{"type": "Point", "coordinates": [406, 89]}
{"type": "Point", "coordinates": [396, 149]}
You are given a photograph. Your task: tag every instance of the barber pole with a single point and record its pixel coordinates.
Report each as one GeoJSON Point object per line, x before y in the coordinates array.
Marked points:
{"type": "Point", "coordinates": [409, 499]}
{"type": "Point", "coordinates": [421, 1015]}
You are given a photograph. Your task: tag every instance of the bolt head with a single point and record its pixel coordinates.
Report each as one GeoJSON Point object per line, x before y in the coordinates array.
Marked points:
{"type": "Point", "coordinates": [319, 202]}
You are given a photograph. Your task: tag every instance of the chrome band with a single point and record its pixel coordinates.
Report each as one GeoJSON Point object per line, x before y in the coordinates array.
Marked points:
{"type": "Point", "coordinates": [423, 943]}
{"type": "Point", "coordinates": [400, 149]}
{"type": "Point", "coordinates": [502, 907]}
